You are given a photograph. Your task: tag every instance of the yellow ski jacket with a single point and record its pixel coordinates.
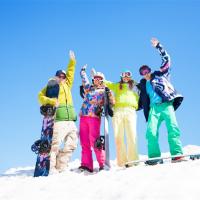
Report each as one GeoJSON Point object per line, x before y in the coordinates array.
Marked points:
{"type": "Point", "coordinates": [65, 111]}
{"type": "Point", "coordinates": [124, 97]}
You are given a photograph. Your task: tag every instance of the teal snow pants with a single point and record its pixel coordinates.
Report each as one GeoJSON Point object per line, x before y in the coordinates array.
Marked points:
{"type": "Point", "coordinates": [158, 113]}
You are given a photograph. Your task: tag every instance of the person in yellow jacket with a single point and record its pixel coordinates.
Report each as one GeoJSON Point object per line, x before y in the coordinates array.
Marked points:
{"type": "Point", "coordinates": [124, 119]}
{"type": "Point", "coordinates": [65, 130]}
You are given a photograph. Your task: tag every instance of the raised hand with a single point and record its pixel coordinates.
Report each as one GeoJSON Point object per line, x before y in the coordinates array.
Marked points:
{"type": "Point", "coordinates": [93, 72]}
{"type": "Point", "coordinates": [154, 42]}
{"type": "Point", "coordinates": [72, 55]}
{"type": "Point", "coordinates": [84, 67]}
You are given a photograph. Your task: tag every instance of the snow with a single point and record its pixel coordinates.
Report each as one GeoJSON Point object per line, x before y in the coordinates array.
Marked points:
{"type": "Point", "coordinates": [177, 181]}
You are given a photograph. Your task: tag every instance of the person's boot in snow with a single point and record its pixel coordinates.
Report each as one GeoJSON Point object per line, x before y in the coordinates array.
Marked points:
{"type": "Point", "coordinates": [83, 168]}
{"type": "Point", "coordinates": [53, 171]}
{"type": "Point", "coordinates": [101, 168]}
{"type": "Point", "coordinates": [178, 159]}
{"type": "Point", "coordinates": [154, 162]}
{"type": "Point", "coordinates": [127, 165]}
{"type": "Point", "coordinates": [104, 168]}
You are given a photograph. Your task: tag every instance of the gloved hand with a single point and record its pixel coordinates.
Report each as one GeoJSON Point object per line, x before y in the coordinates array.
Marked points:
{"type": "Point", "coordinates": [83, 72]}
{"type": "Point", "coordinates": [154, 42]}
{"type": "Point", "coordinates": [72, 55]}
{"type": "Point", "coordinates": [93, 72]}
{"type": "Point", "coordinates": [84, 67]}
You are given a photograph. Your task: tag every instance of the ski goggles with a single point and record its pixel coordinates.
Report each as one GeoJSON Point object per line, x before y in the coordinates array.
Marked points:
{"type": "Point", "coordinates": [126, 74]}
{"type": "Point", "coordinates": [99, 78]}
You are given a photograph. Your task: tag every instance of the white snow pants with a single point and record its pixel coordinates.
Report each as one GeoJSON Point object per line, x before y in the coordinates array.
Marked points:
{"type": "Point", "coordinates": [64, 132]}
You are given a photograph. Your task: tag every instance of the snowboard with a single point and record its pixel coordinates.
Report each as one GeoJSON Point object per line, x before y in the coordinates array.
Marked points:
{"type": "Point", "coordinates": [164, 159]}
{"type": "Point", "coordinates": [42, 147]}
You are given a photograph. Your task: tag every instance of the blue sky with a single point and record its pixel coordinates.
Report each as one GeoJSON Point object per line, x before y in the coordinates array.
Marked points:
{"type": "Point", "coordinates": [108, 35]}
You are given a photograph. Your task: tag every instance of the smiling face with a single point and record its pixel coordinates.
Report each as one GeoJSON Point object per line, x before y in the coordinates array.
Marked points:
{"type": "Point", "coordinates": [98, 81]}
{"type": "Point", "coordinates": [62, 78]}
{"type": "Point", "coordinates": [126, 76]}
{"type": "Point", "coordinates": [147, 76]}
{"type": "Point", "coordinates": [145, 71]}
{"type": "Point", "coordinates": [126, 79]}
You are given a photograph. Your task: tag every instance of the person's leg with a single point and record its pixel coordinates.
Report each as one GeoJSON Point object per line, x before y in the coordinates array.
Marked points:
{"type": "Point", "coordinates": [173, 130]}
{"type": "Point", "coordinates": [56, 141]}
{"type": "Point", "coordinates": [154, 121]}
{"type": "Point", "coordinates": [118, 126]}
{"type": "Point", "coordinates": [131, 135]}
{"type": "Point", "coordinates": [70, 144]}
{"type": "Point", "coordinates": [86, 154]}
{"type": "Point", "coordinates": [94, 129]}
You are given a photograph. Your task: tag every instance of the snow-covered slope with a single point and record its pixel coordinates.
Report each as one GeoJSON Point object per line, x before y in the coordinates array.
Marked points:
{"type": "Point", "coordinates": [169, 181]}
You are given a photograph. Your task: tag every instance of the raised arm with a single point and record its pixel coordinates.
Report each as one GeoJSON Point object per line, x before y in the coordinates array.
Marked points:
{"type": "Point", "coordinates": [165, 65]}
{"type": "Point", "coordinates": [70, 69]}
{"type": "Point", "coordinates": [84, 77]}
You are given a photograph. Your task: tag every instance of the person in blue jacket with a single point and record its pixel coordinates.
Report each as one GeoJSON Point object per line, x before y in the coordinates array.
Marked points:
{"type": "Point", "coordinates": [159, 100]}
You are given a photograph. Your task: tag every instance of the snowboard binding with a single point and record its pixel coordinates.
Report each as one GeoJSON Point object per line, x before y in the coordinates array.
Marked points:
{"type": "Point", "coordinates": [47, 110]}
{"type": "Point", "coordinates": [41, 146]}
{"type": "Point", "coordinates": [100, 143]}
{"type": "Point", "coordinates": [194, 157]}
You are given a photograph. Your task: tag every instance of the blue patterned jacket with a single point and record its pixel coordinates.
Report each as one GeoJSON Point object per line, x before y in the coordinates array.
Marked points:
{"type": "Point", "coordinates": [93, 100]}
{"type": "Point", "coordinates": [160, 81]}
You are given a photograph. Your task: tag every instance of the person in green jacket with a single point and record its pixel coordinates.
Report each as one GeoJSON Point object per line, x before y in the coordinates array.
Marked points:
{"type": "Point", "coordinates": [124, 119]}
{"type": "Point", "coordinates": [65, 130]}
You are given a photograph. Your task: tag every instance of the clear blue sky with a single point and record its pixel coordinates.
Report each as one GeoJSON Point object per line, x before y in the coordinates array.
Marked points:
{"type": "Point", "coordinates": [109, 35]}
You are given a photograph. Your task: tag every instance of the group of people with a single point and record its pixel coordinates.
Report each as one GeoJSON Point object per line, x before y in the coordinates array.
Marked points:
{"type": "Point", "coordinates": [154, 94]}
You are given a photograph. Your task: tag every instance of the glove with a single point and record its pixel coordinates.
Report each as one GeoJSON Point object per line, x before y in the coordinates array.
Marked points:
{"type": "Point", "coordinates": [84, 67]}
{"type": "Point", "coordinates": [93, 72]}
{"type": "Point", "coordinates": [72, 55]}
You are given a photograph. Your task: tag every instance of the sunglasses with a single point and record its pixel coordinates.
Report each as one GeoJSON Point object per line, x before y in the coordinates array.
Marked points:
{"type": "Point", "coordinates": [145, 72]}
{"type": "Point", "coordinates": [62, 77]}
{"type": "Point", "coordinates": [126, 74]}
